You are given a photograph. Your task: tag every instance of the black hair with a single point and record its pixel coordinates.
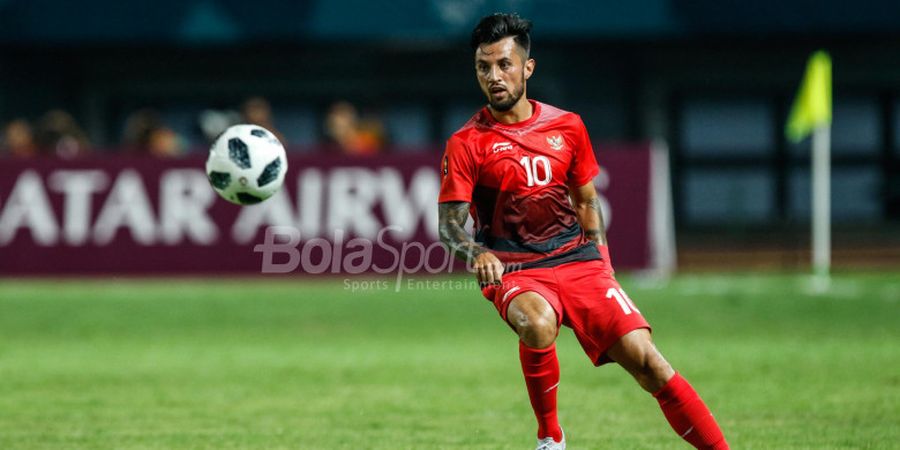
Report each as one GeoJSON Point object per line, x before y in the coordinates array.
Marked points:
{"type": "Point", "coordinates": [497, 26]}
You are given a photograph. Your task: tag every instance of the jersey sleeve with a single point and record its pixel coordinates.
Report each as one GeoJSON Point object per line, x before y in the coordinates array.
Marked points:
{"type": "Point", "coordinates": [584, 164]}
{"type": "Point", "coordinates": [458, 173]}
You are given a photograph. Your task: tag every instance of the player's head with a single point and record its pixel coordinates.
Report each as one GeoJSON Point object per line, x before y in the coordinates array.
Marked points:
{"type": "Point", "coordinates": [502, 64]}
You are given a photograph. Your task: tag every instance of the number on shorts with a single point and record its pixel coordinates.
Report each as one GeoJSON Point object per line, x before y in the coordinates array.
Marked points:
{"type": "Point", "coordinates": [622, 299]}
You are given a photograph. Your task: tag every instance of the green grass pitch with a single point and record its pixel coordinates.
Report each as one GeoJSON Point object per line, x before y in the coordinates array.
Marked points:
{"type": "Point", "coordinates": [287, 363]}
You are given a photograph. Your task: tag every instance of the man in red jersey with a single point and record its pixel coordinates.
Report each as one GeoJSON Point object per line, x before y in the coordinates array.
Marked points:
{"type": "Point", "coordinates": [523, 170]}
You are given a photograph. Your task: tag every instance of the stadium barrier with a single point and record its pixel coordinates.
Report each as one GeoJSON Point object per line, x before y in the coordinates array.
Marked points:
{"type": "Point", "coordinates": [121, 214]}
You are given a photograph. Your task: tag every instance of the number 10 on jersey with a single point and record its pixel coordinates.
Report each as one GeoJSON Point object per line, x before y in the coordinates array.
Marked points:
{"type": "Point", "coordinates": [531, 165]}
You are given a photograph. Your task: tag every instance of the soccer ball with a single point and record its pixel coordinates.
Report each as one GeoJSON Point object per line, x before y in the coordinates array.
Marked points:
{"type": "Point", "coordinates": [246, 164]}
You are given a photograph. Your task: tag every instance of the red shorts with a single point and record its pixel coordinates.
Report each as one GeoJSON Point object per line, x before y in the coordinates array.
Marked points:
{"type": "Point", "coordinates": [586, 298]}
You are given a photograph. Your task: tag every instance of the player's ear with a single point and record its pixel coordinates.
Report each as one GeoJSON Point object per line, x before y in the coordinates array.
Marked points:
{"type": "Point", "coordinates": [529, 67]}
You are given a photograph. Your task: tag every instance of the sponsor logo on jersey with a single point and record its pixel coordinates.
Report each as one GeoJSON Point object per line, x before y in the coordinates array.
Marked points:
{"type": "Point", "coordinates": [501, 147]}
{"type": "Point", "coordinates": [555, 142]}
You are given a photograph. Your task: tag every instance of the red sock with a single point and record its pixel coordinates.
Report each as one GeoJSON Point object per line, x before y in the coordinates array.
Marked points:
{"type": "Point", "coordinates": [689, 416]}
{"type": "Point", "coordinates": [541, 369]}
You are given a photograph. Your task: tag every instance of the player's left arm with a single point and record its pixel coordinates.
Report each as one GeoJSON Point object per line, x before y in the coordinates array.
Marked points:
{"type": "Point", "coordinates": [587, 208]}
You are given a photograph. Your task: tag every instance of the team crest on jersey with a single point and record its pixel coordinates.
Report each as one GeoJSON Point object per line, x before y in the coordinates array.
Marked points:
{"type": "Point", "coordinates": [555, 142]}
{"type": "Point", "coordinates": [445, 166]}
{"type": "Point", "coordinates": [501, 147]}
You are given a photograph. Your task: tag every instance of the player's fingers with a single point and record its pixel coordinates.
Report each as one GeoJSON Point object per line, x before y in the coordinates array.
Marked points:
{"type": "Point", "coordinates": [481, 274]}
{"type": "Point", "coordinates": [488, 277]}
{"type": "Point", "coordinates": [488, 274]}
{"type": "Point", "coordinates": [497, 272]}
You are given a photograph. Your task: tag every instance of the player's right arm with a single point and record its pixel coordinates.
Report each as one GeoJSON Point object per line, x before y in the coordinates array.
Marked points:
{"type": "Point", "coordinates": [451, 229]}
{"type": "Point", "coordinates": [458, 175]}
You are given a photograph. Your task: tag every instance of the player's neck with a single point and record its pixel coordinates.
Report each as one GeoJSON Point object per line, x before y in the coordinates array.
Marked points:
{"type": "Point", "coordinates": [522, 110]}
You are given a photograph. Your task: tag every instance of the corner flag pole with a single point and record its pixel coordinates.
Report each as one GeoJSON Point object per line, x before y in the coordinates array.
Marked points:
{"type": "Point", "coordinates": [821, 202]}
{"type": "Point", "coordinates": [811, 114]}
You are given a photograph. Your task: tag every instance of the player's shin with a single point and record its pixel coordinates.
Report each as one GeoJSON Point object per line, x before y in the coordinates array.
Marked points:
{"type": "Point", "coordinates": [541, 370]}
{"type": "Point", "coordinates": [689, 416]}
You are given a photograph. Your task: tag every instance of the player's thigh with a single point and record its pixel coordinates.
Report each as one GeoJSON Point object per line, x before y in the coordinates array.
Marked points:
{"type": "Point", "coordinates": [597, 308]}
{"type": "Point", "coordinates": [529, 303]}
{"type": "Point", "coordinates": [537, 290]}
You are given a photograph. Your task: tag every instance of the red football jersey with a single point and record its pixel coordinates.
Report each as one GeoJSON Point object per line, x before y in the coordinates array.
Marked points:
{"type": "Point", "coordinates": [517, 178]}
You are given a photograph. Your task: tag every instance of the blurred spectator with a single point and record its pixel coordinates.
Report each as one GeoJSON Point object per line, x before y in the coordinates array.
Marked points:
{"type": "Point", "coordinates": [58, 134]}
{"type": "Point", "coordinates": [352, 135]}
{"type": "Point", "coordinates": [214, 122]}
{"type": "Point", "coordinates": [18, 139]}
{"type": "Point", "coordinates": [257, 111]}
{"type": "Point", "coordinates": [146, 133]}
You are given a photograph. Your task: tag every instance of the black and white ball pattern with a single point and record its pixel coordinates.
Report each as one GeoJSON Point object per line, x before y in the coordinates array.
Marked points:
{"type": "Point", "coordinates": [246, 164]}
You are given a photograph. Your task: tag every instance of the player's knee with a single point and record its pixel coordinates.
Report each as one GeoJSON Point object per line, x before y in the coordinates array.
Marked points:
{"type": "Point", "coordinates": [537, 330]}
{"type": "Point", "coordinates": [637, 354]}
{"type": "Point", "coordinates": [533, 319]}
{"type": "Point", "coordinates": [654, 371]}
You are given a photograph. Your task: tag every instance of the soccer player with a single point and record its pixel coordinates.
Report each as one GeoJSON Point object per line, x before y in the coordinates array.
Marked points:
{"type": "Point", "coordinates": [524, 170]}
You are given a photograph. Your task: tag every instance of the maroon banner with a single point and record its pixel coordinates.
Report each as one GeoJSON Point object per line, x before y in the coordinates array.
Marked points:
{"type": "Point", "coordinates": [127, 215]}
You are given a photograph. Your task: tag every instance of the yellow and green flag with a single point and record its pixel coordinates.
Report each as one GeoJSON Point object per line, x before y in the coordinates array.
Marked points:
{"type": "Point", "coordinates": [812, 107]}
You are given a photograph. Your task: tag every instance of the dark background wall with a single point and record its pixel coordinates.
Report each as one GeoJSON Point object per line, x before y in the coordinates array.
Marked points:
{"type": "Point", "coordinates": [712, 79]}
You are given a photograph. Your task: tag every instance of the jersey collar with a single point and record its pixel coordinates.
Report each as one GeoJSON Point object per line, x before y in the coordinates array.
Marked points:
{"type": "Point", "coordinates": [490, 120]}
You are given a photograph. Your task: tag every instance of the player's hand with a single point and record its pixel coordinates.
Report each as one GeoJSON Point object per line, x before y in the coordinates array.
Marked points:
{"type": "Point", "coordinates": [488, 269]}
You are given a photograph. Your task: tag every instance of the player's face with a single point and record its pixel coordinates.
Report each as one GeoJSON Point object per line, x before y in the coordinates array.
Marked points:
{"type": "Point", "coordinates": [502, 69]}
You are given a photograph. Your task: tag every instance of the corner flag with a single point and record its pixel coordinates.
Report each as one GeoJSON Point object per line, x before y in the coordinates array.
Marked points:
{"type": "Point", "coordinates": [812, 107]}
{"type": "Point", "coordinates": [811, 113]}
